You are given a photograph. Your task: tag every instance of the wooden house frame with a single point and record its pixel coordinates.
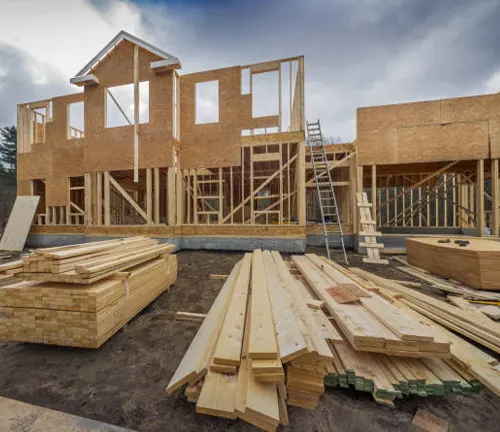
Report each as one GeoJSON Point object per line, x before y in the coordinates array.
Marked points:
{"type": "Point", "coordinates": [243, 180]}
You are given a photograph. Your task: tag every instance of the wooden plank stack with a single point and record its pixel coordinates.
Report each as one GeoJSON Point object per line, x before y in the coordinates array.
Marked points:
{"type": "Point", "coordinates": [83, 315]}
{"type": "Point", "coordinates": [8, 271]}
{"type": "Point", "coordinates": [472, 261]}
{"type": "Point", "coordinates": [90, 262]}
{"type": "Point", "coordinates": [266, 343]}
{"type": "Point", "coordinates": [466, 359]}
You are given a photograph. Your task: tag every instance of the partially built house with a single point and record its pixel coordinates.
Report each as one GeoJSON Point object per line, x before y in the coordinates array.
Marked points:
{"type": "Point", "coordinates": [218, 159]}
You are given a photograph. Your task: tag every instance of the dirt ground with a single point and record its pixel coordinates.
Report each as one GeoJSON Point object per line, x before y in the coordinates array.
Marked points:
{"type": "Point", "coordinates": [123, 383]}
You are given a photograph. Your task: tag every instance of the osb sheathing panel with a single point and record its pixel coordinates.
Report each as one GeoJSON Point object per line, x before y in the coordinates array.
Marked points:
{"type": "Point", "coordinates": [473, 134]}
{"type": "Point", "coordinates": [495, 138]}
{"type": "Point", "coordinates": [377, 146]}
{"type": "Point", "coordinates": [24, 187]}
{"type": "Point", "coordinates": [112, 148]}
{"type": "Point", "coordinates": [407, 114]}
{"type": "Point", "coordinates": [486, 107]}
{"type": "Point", "coordinates": [467, 140]}
{"type": "Point", "coordinates": [214, 144]}
{"type": "Point", "coordinates": [58, 157]}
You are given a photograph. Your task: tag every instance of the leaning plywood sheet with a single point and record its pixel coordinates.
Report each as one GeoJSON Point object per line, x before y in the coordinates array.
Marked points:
{"type": "Point", "coordinates": [18, 226]}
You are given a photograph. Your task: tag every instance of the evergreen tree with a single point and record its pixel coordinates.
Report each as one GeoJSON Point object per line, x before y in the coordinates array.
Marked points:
{"type": "Point", "coordinates": [8, 149]}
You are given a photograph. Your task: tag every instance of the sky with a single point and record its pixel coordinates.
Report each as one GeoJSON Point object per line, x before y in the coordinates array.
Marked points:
{"type": "Point", "coordinates": [357, 52]}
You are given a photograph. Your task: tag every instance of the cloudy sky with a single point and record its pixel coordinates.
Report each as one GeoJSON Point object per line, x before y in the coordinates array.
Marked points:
{"type": "Point", "coordinates": [357, 52]}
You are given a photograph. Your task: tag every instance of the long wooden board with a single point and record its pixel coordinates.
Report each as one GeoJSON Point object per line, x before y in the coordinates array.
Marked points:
{"type": "Point", "coordinates": [190, 364]}
{"type": "Point", "coordinates": [263, 343]}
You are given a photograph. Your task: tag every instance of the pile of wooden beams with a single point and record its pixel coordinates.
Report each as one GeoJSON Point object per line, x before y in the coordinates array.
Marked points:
{"type": "Point", "coordinates": [267, 343]}
{"type": "Point", "coordinates": [90, 262]}
{"type": "Point", "coordinates": [469, 361]}
{"type": "Point", "coordinates": [487, 303]}
{"type": "Point", "coordinates": [8, 271]}
{"type": "Point", "coordinates": [369, 322]}
{"type": "Point", "coordinates": [83, 315]}
{"type": "Point", "coordinates": [471, 261]}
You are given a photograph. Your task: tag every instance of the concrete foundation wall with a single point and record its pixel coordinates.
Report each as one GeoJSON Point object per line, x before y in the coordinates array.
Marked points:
{"type": "Point", "coordinates": [286, 245]}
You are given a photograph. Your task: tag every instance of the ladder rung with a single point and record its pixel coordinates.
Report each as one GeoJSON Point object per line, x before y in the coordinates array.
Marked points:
{"type": "Point", "coordinates": [372, 245]}
{"type": "Point", "coordinates": [373, 234]}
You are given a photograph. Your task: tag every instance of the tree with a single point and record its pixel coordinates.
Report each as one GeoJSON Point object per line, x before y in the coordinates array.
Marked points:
{"type": "Point", "coordinates": [8, 149]}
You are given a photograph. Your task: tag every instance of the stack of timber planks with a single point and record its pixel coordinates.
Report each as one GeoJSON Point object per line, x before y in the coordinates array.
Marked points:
{"type": "Point", "coordinates": [89, 262]}
{"type": "Point", "coordinates": [9, 271]}
{"type": "Point", "coordinates": [473, 364]}
{"type": "Point", "coordinates": [85, 314]}
{"type": "Point", "coordinates": [471, 261]}
{"type": "Point", "coordinates": [267, 343]}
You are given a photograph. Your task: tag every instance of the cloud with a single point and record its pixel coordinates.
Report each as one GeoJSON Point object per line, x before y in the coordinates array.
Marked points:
{"type": "Point", "coordinates": [24, 79]}
{"type": "Point", "coordinates": [357, 52]}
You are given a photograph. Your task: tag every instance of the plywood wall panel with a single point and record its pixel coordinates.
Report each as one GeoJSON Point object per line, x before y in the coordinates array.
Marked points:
{"type": "Point", "coordinates": [452, 141]}
{"type": "Point", "coordinates": [442, 130]}
{"type": "Point", "coordinates": [386, 116]}
{"type": "Point", "coordinates": [24, 187]}
{"type": "Point", "coordinates": [379, 146]}
{"type": "Point", "coordinates": [483, 107]}
{"type": "Point", "coordinates": [112, 148]}
{"type": "Point", "coordinates": [36, 164]}
{"type": "Point", "coordinates": [214, 144]}
{"type": "Point", "coordinates": [56, 191]}
{"type": "Point", "coordinates": [495, 138]}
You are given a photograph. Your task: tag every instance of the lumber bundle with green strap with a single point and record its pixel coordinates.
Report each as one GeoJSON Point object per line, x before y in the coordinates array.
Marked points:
{"type": "Point", "coordinates": [266, 343]}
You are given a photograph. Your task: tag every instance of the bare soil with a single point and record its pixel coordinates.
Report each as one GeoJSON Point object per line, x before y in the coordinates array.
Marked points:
{"type": "Point", "coordinates": [123, 383]}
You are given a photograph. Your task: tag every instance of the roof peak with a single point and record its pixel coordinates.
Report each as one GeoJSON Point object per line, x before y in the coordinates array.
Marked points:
{"type": "Point", "coordinates": [123, 35]}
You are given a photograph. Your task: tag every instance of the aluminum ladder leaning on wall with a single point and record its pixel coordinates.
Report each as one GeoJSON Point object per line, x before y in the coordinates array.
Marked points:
{"type": "Point", "coordinates": [330, 217]}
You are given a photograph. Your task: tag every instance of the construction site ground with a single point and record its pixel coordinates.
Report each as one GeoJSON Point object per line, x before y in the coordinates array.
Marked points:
{"type": "Point", "coordinates": [123, 383]}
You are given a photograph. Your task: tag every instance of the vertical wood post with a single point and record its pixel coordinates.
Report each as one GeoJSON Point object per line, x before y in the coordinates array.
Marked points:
{"type": "Point", "coordinates": [221, 198]}
{"type": "Point", "coordinates": [480, 222]}
{"type": "Point", "coordinates": [171, 201]}
{"type": "Point", "coordinates": [179, 181]}
{"type": "Point", "coordinates": [107, 205]}
{"type": "Point", "coordinates": [149, 196]}
{"type": "Point", "coordinates": [374, 193]}
{"type": "Point", "coordinates": [136, 113]}
{"type": "Point", "coordinates": [495, 204]}
{"type": "Point", "coordinates": [156, 188]}
{"type": "Point", "coordinates": [301, 187]}
{"type": "Point", "coordinates": [99, 198]}
{"type": "Point", "coordinates": [88, 199]}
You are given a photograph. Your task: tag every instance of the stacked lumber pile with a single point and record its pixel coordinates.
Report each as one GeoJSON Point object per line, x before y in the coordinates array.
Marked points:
{"type": "Point", "coordinates": [369, 322]}
{"type": "Point", "coordinates": [89, 262]}
{"type": "Point", "coordinates": [466, 359]}
{"type": "Point", "coordinates": [8, 271]}
{"type": "Point", "coordinates": [83, 315]}
{"type": "Point", "coordinates": [267, 343]}
{"type": "Point", "coordinates": [472, 261]}
{"type": "Point", "coordinates": [485, 302]}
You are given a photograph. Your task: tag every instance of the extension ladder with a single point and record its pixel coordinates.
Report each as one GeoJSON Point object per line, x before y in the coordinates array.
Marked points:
{"type": "Point", "coordinates": [324, 187]}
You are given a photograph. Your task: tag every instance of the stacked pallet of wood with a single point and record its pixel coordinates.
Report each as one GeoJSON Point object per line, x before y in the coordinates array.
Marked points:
{"type": "Point", "coordinates": [466, 359]}
{"type": "Point", "coordinates": [83, 315]}
{"type": "Point", "coordinates": [89, 262]}
{"type": "Point", "coordinates": [472, 261]}
{"type": "Point", "coordinates": [267, 343]}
